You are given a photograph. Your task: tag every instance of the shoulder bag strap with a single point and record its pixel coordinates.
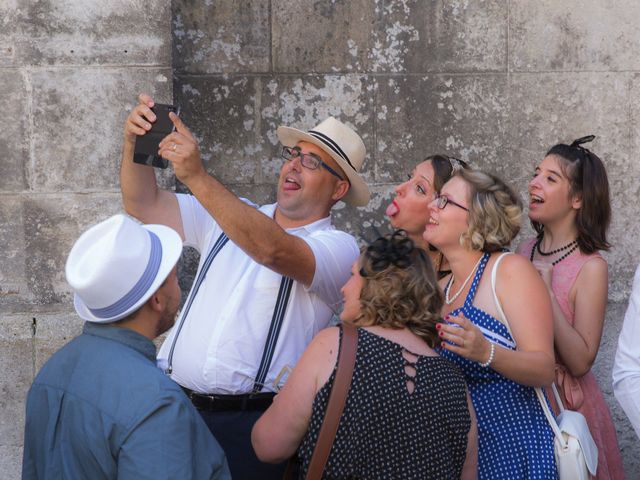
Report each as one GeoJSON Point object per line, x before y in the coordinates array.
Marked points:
{"type": "Point", "coordinates": [539, 393]}
{"type": "Point", "coordinates": [337, 400]}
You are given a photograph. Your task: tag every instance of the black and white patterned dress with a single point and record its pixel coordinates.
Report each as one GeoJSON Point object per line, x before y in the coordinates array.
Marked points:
{"type": "Point", "coordinates": [385, 431]}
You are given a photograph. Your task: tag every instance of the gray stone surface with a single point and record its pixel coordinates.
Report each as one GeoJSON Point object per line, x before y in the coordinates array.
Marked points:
{"type": "Point", "coordinates": [627, 439]}
{"type": "Point", "coordinates": [73, 32]}
{"type": "Point", "coordinates": [460, 115]}
{"type": "Point", "coordinates": [78, 117]}
{"type": "Point", "coordinates": [546, 35]}
{"type": "Point", "coordinates": [14, 141]}
{"type": "Point", "coordinates": [493, 82]}
{"type": "Point", "coordinates": [16, 362]}
{"type": "Point", "coordinates": [408, 36]}
{"type": "Point", "coordinates": [235, 117]}
{"type": "Point", "coordinates": [221, 37]}
{"type": "Point", "coordinates": [11, 461]}
{"type": "Point", "coordinates": [41, 230]}
{"type": "Point", "coordinates": [53, 331]}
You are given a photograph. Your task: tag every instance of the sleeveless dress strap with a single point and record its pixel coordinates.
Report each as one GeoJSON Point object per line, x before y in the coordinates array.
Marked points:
{"type": "Point", "coordinates": [494, 275]}
{"type": "Point", "coordinates": [476, 279]}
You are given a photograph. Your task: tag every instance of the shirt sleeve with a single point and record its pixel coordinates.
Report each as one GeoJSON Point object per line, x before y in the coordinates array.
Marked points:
{"type": "Point", "coordinates": [334, 253]}
{"type": "Point", "coordinates": [626, 368]}
{"type": "Point", "coordinates": [197, 222]}
{"type": "Point", "coordinates": [170, 441]}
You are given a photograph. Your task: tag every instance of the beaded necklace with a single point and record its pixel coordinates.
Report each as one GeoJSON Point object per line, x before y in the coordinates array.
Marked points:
{"type": "Point", "coordinates": [571, 246]}
{"type": "Point", "coordinates": [447, 288]}
{"type": "Point", "coordinates": [557, 250]}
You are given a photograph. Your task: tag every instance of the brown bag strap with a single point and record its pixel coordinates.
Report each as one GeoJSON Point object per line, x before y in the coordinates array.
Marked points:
{"type": "Point", "coordinates": [337, 400]}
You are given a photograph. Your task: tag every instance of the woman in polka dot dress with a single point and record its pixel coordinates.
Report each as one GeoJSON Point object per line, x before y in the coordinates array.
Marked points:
{"type": "Point", "coordinates": [570, 209]}
{"type": "Point", "coordinates": [407, 413]}
{"type": "Point", "coordinates": [473, 219]}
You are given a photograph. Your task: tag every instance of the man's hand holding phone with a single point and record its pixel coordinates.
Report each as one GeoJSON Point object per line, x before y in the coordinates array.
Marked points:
{"type": "Point", "coordinates": [181, 148]}
{"type": "Point", "coordinates": [147, 125]}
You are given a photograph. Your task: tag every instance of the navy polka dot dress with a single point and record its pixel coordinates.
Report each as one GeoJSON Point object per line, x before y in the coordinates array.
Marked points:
{"type": "Point", "coordinates": [515, 440]}
{"type": "Point", "coordinates": [385, 432]}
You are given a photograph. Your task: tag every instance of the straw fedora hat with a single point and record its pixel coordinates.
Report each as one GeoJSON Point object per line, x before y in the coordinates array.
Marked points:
{"type": "Point", "coordinates": [343, 144]}
{"type": "Point", "coordinates": [116, 265]}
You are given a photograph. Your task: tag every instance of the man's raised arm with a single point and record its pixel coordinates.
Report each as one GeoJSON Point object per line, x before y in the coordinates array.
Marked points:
{"type": "Point", "coordinates": [141, 196]}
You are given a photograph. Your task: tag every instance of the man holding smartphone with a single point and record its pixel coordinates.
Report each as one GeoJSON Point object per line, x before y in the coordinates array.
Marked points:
{"type": "Point", "coordinates": [269, 277]}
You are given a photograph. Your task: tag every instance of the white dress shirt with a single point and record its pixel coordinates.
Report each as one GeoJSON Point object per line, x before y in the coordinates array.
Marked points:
{"type": "Point", "coordinates": [220, 345]}
{"type": "Point", "coordinates": [626, 367]}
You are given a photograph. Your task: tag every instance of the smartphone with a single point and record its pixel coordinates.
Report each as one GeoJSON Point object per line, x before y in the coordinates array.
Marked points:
{"type": "Point", "coordinates": [147, 145]}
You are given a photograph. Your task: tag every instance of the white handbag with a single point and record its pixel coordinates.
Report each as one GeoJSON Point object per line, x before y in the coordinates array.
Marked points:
{"type": "Point", "coordinates": [575, 451]}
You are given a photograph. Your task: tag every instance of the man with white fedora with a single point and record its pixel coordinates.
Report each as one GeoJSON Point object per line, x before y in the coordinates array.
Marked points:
{"type": "Point", "coordinates": [100, 408]}
{"type": "Point", "coordinates": [269, 277]}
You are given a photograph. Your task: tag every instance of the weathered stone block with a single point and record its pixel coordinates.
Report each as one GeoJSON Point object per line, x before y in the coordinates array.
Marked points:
{"type": "Point", "coordinates": [461, 116]}
{"type": "Point", "coordinates": [14, 286]}
{"type": "Point", "coordinates": [627, 438]}
{"type": "Point", "coordinates": [42, 230]}
{"type": "Point", "coordinates": [581, 104]}
{"type": "Point", "coordinates": [221, 37]}
{"type": "Point", "coordinates": [411, 36]}
{"type": "Point", "coordinates": [369, 222]}
{"type": "Point", "coordinates": [235, 118]}
{"type": "Point", "coordinates": [303, 102]}
{"type": "Point", "coordinates": [545, 35]}
{"type": "Point", "coordinates": [78, 119]}
{"type": "Point", "coordinates": [11, 460]}
{"type": "Point", "coordinates": [14, 141]}
{"type": "Point", "coordinates": [87, 33]}
{"type": "Point", "coordinates": [52, 332]}
{"type": "Point", "coordinates": [16, 362]}
{"type": "Point", "coordinates": [221, 113]}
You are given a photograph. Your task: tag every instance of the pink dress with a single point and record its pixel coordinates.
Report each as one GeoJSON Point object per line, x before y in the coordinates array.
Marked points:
{"type": "Point", "coordinates": [583, 394]}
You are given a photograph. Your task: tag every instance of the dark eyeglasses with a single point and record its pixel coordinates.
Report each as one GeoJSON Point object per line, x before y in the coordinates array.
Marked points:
{"type": "Point", "coordinates": [308, 160]}
{"type": "Point", "coordinates": [442, 201]}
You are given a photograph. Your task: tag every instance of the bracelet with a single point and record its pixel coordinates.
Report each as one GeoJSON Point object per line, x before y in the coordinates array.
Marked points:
{"type": "Point", "coordinates": [491, 355]}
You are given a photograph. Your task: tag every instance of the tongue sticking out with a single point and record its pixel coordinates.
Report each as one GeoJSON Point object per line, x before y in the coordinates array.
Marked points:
{"type": "Point", "coordinates": [392, 209]}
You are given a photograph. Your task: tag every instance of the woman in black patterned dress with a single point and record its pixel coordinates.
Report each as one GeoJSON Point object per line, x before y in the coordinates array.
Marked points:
{"type": "Point", "coordinates": [407, 414]}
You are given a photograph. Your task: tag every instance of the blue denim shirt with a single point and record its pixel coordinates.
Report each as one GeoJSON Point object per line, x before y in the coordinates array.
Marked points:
{"type": "Point", "coordinates": [100, 409]}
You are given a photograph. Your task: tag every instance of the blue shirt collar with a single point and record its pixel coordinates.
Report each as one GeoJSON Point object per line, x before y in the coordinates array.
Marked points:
{"type": "Point", "coordinates": [122, 335]}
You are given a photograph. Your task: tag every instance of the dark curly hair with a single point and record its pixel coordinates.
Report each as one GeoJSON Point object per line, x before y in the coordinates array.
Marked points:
{"type": "Point", "coordinates": [400, 289]}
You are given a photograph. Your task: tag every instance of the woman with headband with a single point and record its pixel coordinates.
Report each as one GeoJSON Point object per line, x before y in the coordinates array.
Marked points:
{"type": "Point", "coordinates": [569, 207]}
{"type": "Point", "coordinates": [409, 210]}
{"type": "Point", "coordinates": [407, 413]}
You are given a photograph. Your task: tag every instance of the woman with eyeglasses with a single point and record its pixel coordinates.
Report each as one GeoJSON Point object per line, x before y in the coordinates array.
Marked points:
{"type": "Point", "coordinates": [473, 219]}
{"type": "Point", "coordinates": [569, 208]}
{"type": "Point", "coordinates": [409, 209]}
{"type": "Point", "coordinates": [407, 413]}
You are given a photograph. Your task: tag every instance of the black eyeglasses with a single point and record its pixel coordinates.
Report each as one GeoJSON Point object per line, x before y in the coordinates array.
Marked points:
{"type": "Point", "coordinates": [308, 160]}
{"type": "Point", "coordinates": [442, 201]}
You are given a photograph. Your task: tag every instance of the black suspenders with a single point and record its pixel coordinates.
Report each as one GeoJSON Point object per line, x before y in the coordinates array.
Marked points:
{"type": "Point", "coordinates": [276, 320]}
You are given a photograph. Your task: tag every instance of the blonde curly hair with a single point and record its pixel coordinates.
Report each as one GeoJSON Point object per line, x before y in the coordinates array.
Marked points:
{"type": "Point", "coordinates": [495, 212]}
{"type": "Point", "coordinates": [400, 289]}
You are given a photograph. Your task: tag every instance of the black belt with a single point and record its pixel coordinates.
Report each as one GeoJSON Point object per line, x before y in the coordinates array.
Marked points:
{"type": "Point", "coordinates": [226, 403]}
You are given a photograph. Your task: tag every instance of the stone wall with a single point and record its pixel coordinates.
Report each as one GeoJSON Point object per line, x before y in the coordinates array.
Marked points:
{"type": "Point", "coordinates": [69, 70]}
{"type": "Point", "coordinates": [494, 82]}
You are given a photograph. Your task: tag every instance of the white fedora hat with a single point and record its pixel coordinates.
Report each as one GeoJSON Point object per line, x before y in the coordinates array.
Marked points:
{"type": "Point", "coordinates": [116, 265]}
{"type": "Point", "coordinates": [343, 144]}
